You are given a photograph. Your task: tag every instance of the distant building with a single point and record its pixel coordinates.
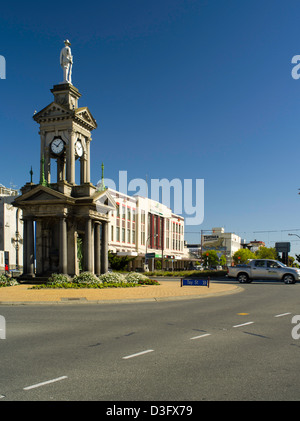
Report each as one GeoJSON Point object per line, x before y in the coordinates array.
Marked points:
{"type": "Point", "coordinates": [11, 230]}
{"type": "Point", "coordinates": [194, 250]}
{"type": "Point", "coordinates": [141, 226]}
{"type": "Point", "coordinates": [224, 243]}
{"type": "Point", "coordinates": [254, 245]}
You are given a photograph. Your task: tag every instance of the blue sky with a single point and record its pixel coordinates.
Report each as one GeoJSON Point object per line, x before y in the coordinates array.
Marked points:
{"type": "Point", "coordinates": [188, 89]}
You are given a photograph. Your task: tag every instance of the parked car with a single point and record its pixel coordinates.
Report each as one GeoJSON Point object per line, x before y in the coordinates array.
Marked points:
{"type": "Point", "coordinates": [264, 269]}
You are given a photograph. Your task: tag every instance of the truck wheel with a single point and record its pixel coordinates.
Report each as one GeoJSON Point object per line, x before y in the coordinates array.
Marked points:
{"type": "Point", "coordinates": [243, 278]}
{"type": "Point", "coordinates": [288, 279]}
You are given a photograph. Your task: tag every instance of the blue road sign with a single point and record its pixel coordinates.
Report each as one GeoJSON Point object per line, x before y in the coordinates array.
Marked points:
{"type": "Point", "coordinates": [195, 282]}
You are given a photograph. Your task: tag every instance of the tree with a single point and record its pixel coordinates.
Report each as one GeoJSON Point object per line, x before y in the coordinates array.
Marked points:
{"type": "Point", "coordinates": [118, 262]}
{"type": "Point", "coordinates": [158, 264]}
{"type": "Point", "coordinates": [242, 256]}
{"type": "Point", "coordinates": [211, 258]}
{"type": "Point", "coordinates": [266, 253]}
{"type": "Point", "coordinates": [291, 261]}
{"type": "Point", "coordinates": [223, 261]}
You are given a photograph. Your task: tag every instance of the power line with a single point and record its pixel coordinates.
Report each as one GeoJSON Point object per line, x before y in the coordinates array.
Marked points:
{"type": "Point", "coordinates": [246, 232]}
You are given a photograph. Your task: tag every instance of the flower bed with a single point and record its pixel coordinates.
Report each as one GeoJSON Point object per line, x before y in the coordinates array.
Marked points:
{"type": "Point", "coordinates": [7, 282]}
{"type": "Point", "coordinates": [89, 280]}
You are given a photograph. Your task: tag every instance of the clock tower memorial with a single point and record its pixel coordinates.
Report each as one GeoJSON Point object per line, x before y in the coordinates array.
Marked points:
{"type": "Point", "coordinates": [65, 230]}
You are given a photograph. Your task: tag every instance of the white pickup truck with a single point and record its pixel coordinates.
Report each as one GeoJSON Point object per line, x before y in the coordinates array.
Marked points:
{"type": "Point", "coordinates": [264, 269]}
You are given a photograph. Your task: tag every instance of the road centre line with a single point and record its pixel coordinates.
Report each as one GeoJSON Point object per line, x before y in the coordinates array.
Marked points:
{"type": "Point", "coordinates": [44, 383]}
{"type": "Point", "coordinates": [201, 336]}
{"type": "Point", "coordinates": [137, 354]}
{"type": "Point", "coordinates": [244, 324]}
{"type": "Point", "coordinates": [283, 314]}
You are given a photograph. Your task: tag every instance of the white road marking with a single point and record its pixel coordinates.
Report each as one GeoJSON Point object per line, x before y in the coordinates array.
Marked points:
{"type": "Point", "coordinates": [283, 314]}
{"type": "Point", "coordinates": [139, 353]}
{"type": "Point", "coordinates": [244, 324]}
{"type": "Point", "coordinates": [201, 336]}
{"type": "Point", "coordinates": [44, 383]}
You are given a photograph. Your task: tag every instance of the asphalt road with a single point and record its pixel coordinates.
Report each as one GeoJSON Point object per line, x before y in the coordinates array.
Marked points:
{"type": "Point", "coordinates": [235, 347]}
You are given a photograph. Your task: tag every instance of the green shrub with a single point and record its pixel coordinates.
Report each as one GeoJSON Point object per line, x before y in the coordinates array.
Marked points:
{"type": "Point", "coordinates": [135, 277]}
{"type": "Point", "coordinates": [148, 282]}
{"type": "Point", "coordinates": [59, 278]}
{"type": "Point", "coordinates": [86, 278]}
{"type": "Point", "coordinates": [113, 277]}
{"type": "Point", "coordinates": [7, 282]}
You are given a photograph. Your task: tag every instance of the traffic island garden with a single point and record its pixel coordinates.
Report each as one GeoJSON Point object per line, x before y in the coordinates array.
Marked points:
{"type": "Point", "coordinates": [88, 280]}
{"type": "Point", "coordinates": [216, 274]}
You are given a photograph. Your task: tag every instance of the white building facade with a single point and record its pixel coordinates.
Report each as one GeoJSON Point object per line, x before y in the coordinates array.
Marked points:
{"type": "Point", "coordinates": [11, 231]}
{"type": "Point", "coordinates": [225, 243]}
{"type": "Point", "coordinates": [148, 231]}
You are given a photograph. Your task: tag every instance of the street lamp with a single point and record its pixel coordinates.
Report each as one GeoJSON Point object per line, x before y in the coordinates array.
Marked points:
{"type": "Point", "coordinates": [146, 258]}
{"type": "Point", "coordinates": [295, 235]}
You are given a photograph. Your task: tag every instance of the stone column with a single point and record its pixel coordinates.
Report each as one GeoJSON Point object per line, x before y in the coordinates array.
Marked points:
{"type": "Point", "coordinates": [97, 249]}
{"type": "Point", "coordinates": [82, 169]}
{"type": "Point", "coordinates": [46, 154]}
{"type": "Point", "coordinates": [88, 245]}
{"type": "Point", "coordinates": [72, 157]}
{"type": "Point", "coordinates": [30, 247]}
{"type": "Point", "coordinates": [61, 171]}
{"type": "Point", "coordinates": [47, 165]}
{"type": "Point", "coordinates": [63, 252]}
{"type": "Point", "coordinates": [88, 169]}
{"type": "Point", "coordinates": [70, 153]}
{"type": "Point", "coordinates": [39, 250]}
{"type": "Point", "coordinates": [104, 248]}
{"type": "Point", "coordinates": [25, 269]}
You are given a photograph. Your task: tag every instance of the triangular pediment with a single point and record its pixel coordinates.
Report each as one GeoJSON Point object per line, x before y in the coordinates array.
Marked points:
{"type": "Point", "coordinates": [41, 194]}
{"type": "Point", "coordinates": [104, 201]}
{"type": "Point", "coordinates": [84, 114]}
{"type": "Point", "coordinates": [52, 111]}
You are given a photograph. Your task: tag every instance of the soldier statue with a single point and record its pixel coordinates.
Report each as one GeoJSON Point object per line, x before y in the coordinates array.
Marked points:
{"type": "Point", "coordinates": [66, 61]}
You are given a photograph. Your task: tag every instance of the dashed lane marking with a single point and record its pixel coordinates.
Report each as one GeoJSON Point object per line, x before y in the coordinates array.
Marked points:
{"type": "Point", "coordinates": [281, 315]}
{"type": "Point", "coordinates": [201, 336]}
{"type": "Point", "coordinates": [244, 324]}
{"type": "Point", "coordinates": [137, 354]}
{"type": "Point", "coordinates": [44, 383]}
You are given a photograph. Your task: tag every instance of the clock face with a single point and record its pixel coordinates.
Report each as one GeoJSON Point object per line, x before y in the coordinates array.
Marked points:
{"type": "Point", "coordinates": [79, 148]}
{"type": "Point", "coordinates": [57, 146]}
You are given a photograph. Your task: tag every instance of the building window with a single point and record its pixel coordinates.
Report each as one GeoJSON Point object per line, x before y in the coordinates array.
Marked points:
{"type": "Point", "coordinates": [167, 234]}
{"type": "Point", "coordinates": [133, 233]}
{"type": "Point", "coordinates": [143, 219]}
